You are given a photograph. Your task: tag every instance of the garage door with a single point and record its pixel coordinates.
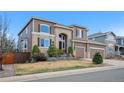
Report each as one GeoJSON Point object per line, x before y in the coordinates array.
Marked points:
{"type": "Point", "coordinates": [80, 52]}
{"type": "Point", "coordinates": [93, 51]}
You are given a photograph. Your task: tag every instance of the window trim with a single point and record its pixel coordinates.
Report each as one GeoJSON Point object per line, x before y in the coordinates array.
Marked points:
{"type": "Point", "coordinates": [45, 25]}
{"type": "Point", "coordinates": [80, 33]}
{"type": "Point", "coordinates": [44, 39]}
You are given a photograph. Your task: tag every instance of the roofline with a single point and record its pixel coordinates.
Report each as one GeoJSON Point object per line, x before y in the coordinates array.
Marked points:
{"type": "Point", "coordinates": [42, 19]}
{"type": "Point", "coordinates": [120, 37]}
{"type": "Point", "coordinates": [45, 20]}
{"type": "Point", "coordinates": [95, 42]}
{"type": "Point", "coordinates": [62, 26]}
{"type": "Point", "coordinates": [34, 18]}
{"type": "Point", "coordinates": [101, 35]}
{"type": "Point", "coordinates": [90, 42]}
{"type": "Point", "coordinates": [77, 26]}
{"type": "Point", "coordinates": [25, 26]}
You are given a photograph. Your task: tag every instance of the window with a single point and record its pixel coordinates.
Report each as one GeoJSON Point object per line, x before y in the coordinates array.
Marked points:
{"type": "Point", "coordinates": [26, 30]}
{"type": "Point", "coordinates": [44, 28]}
{"type": "Point", "coordinates": [62, 41]}
{"type": "Point", "coordinates": [119, 41]}
{"type": "Point", "coordinates": [78, 33]}
{"type": "Point", "coordinates": [24, 44]}
{"type": "Point", "coordinates": [45, 43]}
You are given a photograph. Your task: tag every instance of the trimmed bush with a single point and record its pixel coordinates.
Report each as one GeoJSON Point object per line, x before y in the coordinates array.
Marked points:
{"type": "Point", "coordinates": [39, 57]}
{"type": "Point", "coordinates": [70, 51]}
{"type": "Point", "coordinates": [97, 59]}
{"type": "Point", "coordinates": [35, 50]}
{"type": "Point", "coordinates": [52, 51]}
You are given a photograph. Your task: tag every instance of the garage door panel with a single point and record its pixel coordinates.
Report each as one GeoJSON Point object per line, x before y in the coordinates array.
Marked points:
{"type": "Point", "coordinates": [79, 52]}
{"type": "Point", "coordinates": [93, 51]}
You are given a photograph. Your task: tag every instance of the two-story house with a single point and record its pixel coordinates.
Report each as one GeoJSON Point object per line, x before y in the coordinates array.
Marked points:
{"type": "Point", "coordinates": [43, 33]}
{"type": "Point", "coordinates": [114, 44]}
{"type": "Point", "coordinates": [120, 45]}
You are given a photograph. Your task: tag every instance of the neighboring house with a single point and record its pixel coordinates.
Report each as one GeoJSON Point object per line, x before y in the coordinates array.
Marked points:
{"type": "Point", "coordinates": [113, 46]}
{"type": "Point", "coordinates": [120, 45]}
{"type": "Point", "coordinates": [43, 33]}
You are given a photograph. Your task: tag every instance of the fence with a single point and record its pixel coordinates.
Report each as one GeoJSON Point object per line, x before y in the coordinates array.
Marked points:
{"type": "Point", "coordinates": [21, 57]}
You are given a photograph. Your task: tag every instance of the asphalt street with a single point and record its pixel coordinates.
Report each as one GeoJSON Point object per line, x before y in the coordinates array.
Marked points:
{"type": "Point", "coordinates": [114, 75]}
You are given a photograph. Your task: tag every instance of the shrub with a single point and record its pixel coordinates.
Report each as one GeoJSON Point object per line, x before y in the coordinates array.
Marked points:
{"type": "Point", "coordinates": [97, 59]}
{"type": "Point", "coordinates": [52, 51]}
{"type": "Point", "coordinates": [70, 51]}
{"type": "Point", "coordinates": [39, 57]}
{"type": "Point", "coordinates": [60, 52]}
{"type": "Point", "coordinates": [35, 50]}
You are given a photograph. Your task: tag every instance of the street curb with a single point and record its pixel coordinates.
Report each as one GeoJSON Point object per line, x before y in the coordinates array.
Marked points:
{"type": "Point", "coordinates": [56, 74]}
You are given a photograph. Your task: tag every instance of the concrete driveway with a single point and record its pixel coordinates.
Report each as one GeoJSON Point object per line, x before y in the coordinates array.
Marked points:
{"type": "Point", "coordinates": [114, 62]}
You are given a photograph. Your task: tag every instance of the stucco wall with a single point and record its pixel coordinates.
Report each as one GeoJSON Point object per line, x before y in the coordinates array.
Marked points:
{"type": "Point", "coordinates": [27, 36]}
{"type": "Point", "coordinates": [67, 32]}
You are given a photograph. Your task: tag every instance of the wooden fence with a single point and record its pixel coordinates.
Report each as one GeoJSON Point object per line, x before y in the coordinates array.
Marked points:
{"type": "Point", "coordinates": [21, 57]}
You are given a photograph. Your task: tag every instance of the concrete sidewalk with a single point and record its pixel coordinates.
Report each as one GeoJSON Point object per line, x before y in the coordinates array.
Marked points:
{"type": "Point", "coordinates": [112, 64]}
{"type": "Point", "coordinates": [55, 74]}
{"type": "Point", "coordinates": [8, 71]}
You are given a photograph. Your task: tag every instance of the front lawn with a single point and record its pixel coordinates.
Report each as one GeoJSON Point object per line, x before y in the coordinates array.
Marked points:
{"type": "Point", "coordinates": [40, 67]}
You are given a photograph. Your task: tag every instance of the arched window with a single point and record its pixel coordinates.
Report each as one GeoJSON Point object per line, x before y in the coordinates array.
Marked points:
{"type": "Point", "coordinates": [62, 41]}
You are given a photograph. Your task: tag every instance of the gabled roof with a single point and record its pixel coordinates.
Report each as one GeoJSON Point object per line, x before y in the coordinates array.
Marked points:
{"type": "Point", "coordinates": [45, 20]}
{"type": "Point", "coordinates": [120, 37]}
{"type": "Point", "coordinates": [56, 24]}
{"type": "Point", "coordinates": [77, 26]}
{"type": "Point", "coordinates": [100, 34]}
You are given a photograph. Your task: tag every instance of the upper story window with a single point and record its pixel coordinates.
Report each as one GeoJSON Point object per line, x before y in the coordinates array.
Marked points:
{"type": "Point", "coordinates": [119, 41]}
{"type": "Point", "coordinates": [78, 33]}
{"type": "Point", "coordinates": [44, 28]}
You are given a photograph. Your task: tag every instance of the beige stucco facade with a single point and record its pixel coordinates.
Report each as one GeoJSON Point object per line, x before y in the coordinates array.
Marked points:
{"type": "Point", "coordinates": [75, 36]}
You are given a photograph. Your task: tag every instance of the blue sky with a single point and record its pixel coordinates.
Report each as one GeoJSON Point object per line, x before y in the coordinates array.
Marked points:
{"type": "Point", "coordinates": [94, 21]}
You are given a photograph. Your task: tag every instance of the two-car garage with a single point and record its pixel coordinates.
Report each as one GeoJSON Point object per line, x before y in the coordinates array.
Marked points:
{"type": "Point", "coordinates": [80, 51]}
{"type": "Point", "coordinates": [94, 50]}
{"type": "Point", "coordinates": [89, 50]}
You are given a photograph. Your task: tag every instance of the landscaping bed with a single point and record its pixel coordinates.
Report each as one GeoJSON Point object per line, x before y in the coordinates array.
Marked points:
{"type": "Point", "coordinates": [49, 66]}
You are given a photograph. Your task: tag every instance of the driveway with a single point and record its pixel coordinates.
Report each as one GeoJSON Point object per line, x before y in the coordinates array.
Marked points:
{"type": "Point", "coordinates": [114, 62]}
{"type": "Point", "coordinates": [8, 71]}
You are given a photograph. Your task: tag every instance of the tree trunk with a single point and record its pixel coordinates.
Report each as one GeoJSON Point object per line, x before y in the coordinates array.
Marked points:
{"type": "Point", "coordinates": [1, 66]}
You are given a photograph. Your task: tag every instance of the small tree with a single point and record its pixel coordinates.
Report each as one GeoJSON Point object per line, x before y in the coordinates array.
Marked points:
{"type": "Point", "coordinates": [52, 51]}
{"type": "Point", "coordinates": [97, 59]}
{"type": "Point", "coordinates": [70, 51]}
{"type": "Point", "coordinates": [35, 50]}
{"type": "Point", "coordinates": [1, 59]}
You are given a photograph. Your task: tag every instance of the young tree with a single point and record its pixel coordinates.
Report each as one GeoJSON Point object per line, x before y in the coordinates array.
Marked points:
{"type": "Point", "coordinates": [35, 50]}
{"type": "Point", "coordinates": [97, 59]}
{"type": "Point", "coordinates": [7, 42]}
{"type": "Point", "coordinates": [0, 59]}
{"type": "Point", "coordinates": [52, 51]}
